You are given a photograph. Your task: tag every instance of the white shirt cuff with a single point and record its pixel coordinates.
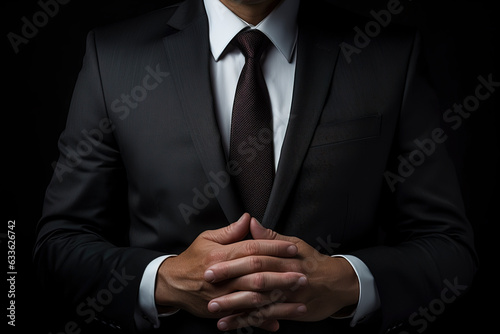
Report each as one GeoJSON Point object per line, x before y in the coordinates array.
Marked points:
{"type": "Point", "coordinates": [147, 313]}
{"type": "Point", "coordinates": [368, 301]}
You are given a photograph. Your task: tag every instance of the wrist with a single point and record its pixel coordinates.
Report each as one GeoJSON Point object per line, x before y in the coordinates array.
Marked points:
{"type": "Point", "coordinates": [369, 300]}
{"type": "Point", "coordinates": [345, 285]}
{"type": "Point", "coordinates": [167, 293]}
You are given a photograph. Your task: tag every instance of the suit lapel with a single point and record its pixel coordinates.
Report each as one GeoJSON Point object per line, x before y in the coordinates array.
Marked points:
{"type": "Point", "coordinates": [188, 56]}
{"type": "Point", "coordinates": [316, 59]}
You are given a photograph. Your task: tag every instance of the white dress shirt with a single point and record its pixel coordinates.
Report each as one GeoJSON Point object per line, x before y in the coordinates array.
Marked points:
{"type": "Point", "coordinates": [278, 66]}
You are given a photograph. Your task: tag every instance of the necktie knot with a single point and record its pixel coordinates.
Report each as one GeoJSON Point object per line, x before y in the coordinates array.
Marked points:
{"type": "Point", "coordinates": [252, 43]}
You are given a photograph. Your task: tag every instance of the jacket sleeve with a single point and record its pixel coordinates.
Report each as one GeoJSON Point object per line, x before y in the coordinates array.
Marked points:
{"type": "Point", "coordinates": [428, 253]}
{"type": "Point", "coordinates": [82, 250]}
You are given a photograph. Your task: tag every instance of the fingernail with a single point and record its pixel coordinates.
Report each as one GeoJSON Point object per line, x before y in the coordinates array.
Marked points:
{"type": "Point", "coordinates": [302, 281]}
{"type": "Point", "coordinates": [209, 276]}
{"type": "Point", "coordinates": [301, 309]}
{"type": "Point", "coordinates": [214, 307]}
{"type": "Point", "coordinates": [292, 250]}
{"type": "Point", "coordinates": [223, 326]}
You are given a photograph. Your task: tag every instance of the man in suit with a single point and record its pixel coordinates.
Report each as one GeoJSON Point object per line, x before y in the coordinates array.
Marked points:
{"type": "Point", "coordinates": [145, 221]}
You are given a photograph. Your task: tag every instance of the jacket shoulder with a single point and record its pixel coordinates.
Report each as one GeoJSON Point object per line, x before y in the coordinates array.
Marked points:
{"type": "Point", "coordinates": [148, 26]}
{"type": "Point", "coordinates": [379, 23]}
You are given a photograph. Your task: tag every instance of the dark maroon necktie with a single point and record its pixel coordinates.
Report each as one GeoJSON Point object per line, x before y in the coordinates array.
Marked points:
{"type": "Point", "coordinates": [251, 143]}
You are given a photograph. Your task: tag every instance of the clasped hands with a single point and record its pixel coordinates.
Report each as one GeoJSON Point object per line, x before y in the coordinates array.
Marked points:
{"type": "Point", "coordinates": [255, 282]}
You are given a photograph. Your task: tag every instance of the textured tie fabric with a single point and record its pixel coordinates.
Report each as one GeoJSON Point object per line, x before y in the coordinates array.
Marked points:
{"type": "Point", "coordinates": [251, 142]}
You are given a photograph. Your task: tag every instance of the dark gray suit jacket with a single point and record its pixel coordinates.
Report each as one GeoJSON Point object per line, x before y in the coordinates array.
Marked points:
{"type": "Point", "coordinates": [142, 170]}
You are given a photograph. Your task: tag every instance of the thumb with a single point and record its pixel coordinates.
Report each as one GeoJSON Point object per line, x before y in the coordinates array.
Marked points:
{"type": "Point", "coordinates": [260, 232]}
{"type": "Point", "coordinates": [231, 233]}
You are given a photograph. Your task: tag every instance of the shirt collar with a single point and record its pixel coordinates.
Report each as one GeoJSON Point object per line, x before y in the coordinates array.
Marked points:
{"type": "Point", "coordinates": [280, 26]}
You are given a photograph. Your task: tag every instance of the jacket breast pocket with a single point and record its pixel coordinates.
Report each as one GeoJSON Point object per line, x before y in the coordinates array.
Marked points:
{"type": "Point", "coordinates": [349, 130]}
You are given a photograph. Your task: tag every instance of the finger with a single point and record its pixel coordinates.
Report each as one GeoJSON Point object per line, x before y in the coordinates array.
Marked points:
{"type": "Point", "coordinates": [257, 290]}
{"type": "Point", "coordinates": [278, 248]}
{"type": "Point", "coordinates": [251, 300]}
{"type": "Point", "coordinates": [238, 301]}
{"type": "Point", "coordinates": [263, 316]}
{"type": "Point", "coordinates": [232, 233]}
{"type": "Point", "coordinates": [268, 325]}
{"type": "Point", "coordinates": [252, 248]}
{"type": "Point", "coordinates": [269, 281]}
{"type": "Point", "coordinates": [260, 232]}
{"type": "Point", "coordinates": [248, 265]}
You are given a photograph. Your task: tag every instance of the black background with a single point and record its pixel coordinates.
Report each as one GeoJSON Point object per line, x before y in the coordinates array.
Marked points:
{"type": "Point", "coordinates": [462, 39]}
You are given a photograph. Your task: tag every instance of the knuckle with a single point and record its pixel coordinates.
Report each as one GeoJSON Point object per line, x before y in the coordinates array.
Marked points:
{"type": "Point", "coordinates": [265, 312]}
{"type": "Point", "coordinates": [221, 271]}
{"type": "Point", "coordinates": [256, 299]}
{"type": "Point", "coordinates": [252, 248]}
{"type": "Point", "coordinates": [211, 257]}
{"type": "Point", "coordinates": [259, 281]}
{"type": "Point", "coordinates": [293, 267]}
{"type": "Point", "coordinates": [274, 235]}
{"type": "Point", "coordinates": [255, 263]}
{"type": "Point", "coordinates": [258, 317]}
{"type": "Point", "coordinates": [214, 257]}
{"type": "Point", "coordinates": [271, 234]}
{"type": "Point", "coordinates": [205, 235]}
{"type": "Point", "coordinates": [289, 278]}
